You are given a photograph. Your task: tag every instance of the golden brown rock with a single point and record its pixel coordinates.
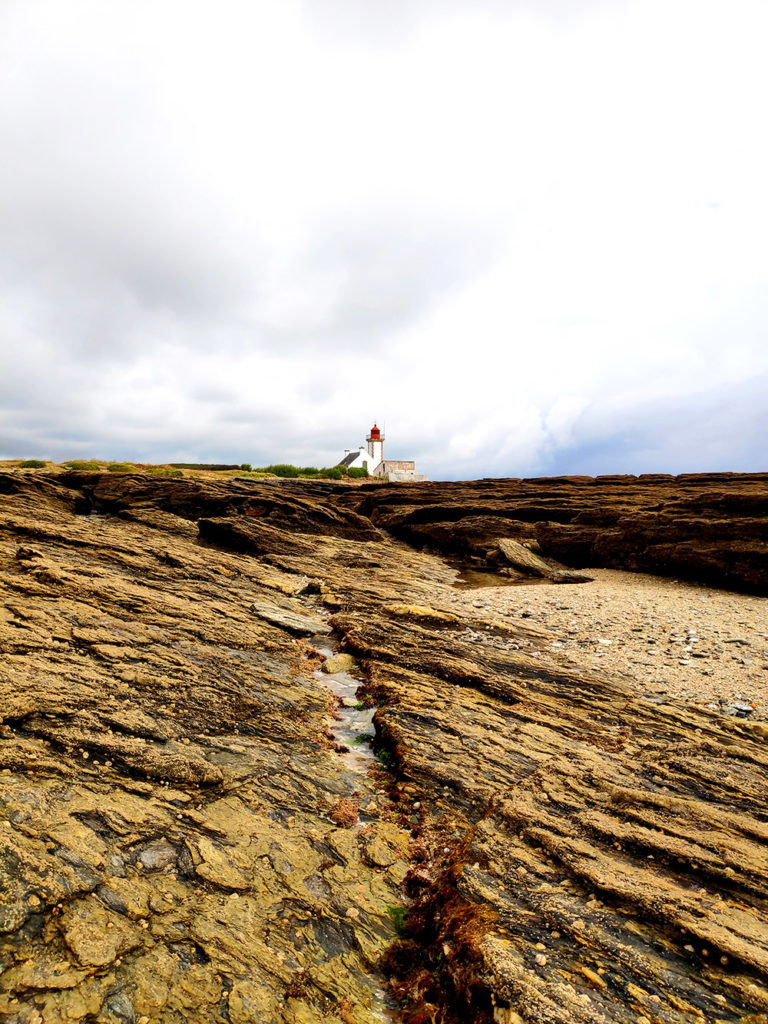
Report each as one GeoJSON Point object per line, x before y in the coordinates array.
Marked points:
{"type": "Point", "coordinates": [166, 771]}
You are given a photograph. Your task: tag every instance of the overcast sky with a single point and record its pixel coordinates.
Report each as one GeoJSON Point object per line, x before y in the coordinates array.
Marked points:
{"type": "Point", "coordinates": [529, 236]}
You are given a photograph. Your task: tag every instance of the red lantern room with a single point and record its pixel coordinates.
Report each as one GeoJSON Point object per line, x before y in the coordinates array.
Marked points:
{"type": "Point", "coordinates": [375, 434]}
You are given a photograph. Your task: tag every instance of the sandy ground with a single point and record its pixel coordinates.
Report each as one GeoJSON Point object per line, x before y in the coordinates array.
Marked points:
{"type": "Point", "coordinates": [675, 640]}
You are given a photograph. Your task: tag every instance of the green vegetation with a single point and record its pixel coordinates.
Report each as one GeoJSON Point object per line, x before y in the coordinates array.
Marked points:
{"type": "Point", "coordinates": [282, 469]}
{"type": "Point", "coordinates": [357, 472]}
{"type": "Point", "coordinates": [397, 916]}
{"type": "Point", "coordinates": [121, 467]}
{"type": "Point", "coordinates": [246, 466]}
{"type": "Point", "coordinates": [286, 470]}
{"type": "Point", "coordinates": [385, 759]}
{"type": "Point", "coordinates": [32, 464]}
{"type": "Point", "coordinates": [88, 467]}
{"type": "Point", "coordinates": [164, 471]}
{"type": "Point", "coordinates": [210, 467]}
{"type": "Point", "coordinates": [363, 737]}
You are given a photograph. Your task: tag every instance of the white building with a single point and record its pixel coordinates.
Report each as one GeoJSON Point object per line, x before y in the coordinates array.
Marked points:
{"type": "Point", "coordinates": [371, 456]}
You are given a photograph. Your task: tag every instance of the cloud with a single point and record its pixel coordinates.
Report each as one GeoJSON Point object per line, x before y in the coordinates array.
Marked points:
{"type": "Point", "coordinates": [528, 236]}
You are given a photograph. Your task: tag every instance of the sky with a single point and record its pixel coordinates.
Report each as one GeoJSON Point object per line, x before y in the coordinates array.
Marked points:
{"type": "Point", "coordinates": [527, 237]}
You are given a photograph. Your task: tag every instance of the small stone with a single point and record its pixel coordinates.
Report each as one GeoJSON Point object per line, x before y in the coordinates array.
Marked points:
{"type": "Point", "coordinates": [541, 960]}
{"type": "Point", "coordinates": [353, 912]}
{"type": "Point", "coordinates": [593, 978]}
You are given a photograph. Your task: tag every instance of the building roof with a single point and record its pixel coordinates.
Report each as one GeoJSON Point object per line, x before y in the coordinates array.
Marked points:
{"type": "Point", "coordinates": [349, 459]}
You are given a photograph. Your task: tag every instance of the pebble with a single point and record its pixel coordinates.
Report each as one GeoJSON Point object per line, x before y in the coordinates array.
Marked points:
{"type": "Point", "coordinates": [699, 638]}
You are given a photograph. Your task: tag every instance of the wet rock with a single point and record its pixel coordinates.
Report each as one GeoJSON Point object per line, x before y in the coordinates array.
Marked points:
{"type": "Point", "coordinates": [339, 663]}
{"type": "Point", "coordinates": [157, 854]}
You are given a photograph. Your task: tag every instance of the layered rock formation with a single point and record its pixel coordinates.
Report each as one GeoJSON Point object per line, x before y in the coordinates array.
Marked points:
{"type": "Point", "coordinates": [173, 811]}
{"type": "Point", "coordinates": [708, 527]}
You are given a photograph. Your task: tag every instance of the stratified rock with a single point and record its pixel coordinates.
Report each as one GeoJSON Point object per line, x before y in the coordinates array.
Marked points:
{"type": "Point", "coordinates": [527, 562]}
{"type": "Point", "coordinates": [706, 527]}
{"type": "Point", "coordinates": [522, 559]}
{"type": "Point", "coordinates": [168, 790]}
{"type": "Point", "coordinates": [165, 780]}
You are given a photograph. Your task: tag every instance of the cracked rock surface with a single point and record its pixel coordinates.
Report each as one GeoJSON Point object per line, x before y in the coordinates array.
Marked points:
{"type": "Point", "coordinates": [166, 845]}
{"type": "Point", "coordinates": [178, 834]}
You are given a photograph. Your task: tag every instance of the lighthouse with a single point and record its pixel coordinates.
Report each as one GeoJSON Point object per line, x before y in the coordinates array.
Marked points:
{"type": "Point", "coordinates": [371, 457]}
{"type": "Point", "coordinates": [375, 442]}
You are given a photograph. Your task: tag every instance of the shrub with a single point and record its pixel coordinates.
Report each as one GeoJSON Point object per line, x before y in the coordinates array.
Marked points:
{"type": "Point", "coordinates": [246, 467]}
{"type": "Point", "coordinates": [32, 464]}
{"type": "Point", "coordinates": [210, 467]}
{"type": "Point", "coordinates": [164, 471]}
{"type": "Point", "coordinates": [282, 469]}
{"type": "Point", "coordinates": [121, 467]}
{"type": "Point", "coordinates": [307, 472]}
{"type": "Point", "coordinates": [89, 467]}
{"type": "Point", "coordinates": [357, 472]}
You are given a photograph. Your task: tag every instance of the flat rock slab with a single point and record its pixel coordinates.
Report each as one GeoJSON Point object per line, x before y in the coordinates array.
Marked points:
{"type": "Point", "coordinates": [295, 622]}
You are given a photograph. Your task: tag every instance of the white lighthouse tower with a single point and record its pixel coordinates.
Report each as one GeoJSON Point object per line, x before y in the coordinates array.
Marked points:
{"type": "Point", "coordinates": [372, 458]}
{"type": "Point", "coordinates": [375, 442]}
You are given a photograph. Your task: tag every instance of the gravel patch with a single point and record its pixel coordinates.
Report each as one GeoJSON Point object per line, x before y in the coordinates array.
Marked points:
{"type": "Point", "coordinates": [676, 640]}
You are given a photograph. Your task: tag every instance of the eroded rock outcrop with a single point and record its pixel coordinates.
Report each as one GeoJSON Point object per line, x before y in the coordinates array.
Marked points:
{"type": "Point", "coordinates": [707, 527]}
{"type": "Point", "coordinates": [176, 824]}
{"type": "Point", "coordinates": [167, 850]}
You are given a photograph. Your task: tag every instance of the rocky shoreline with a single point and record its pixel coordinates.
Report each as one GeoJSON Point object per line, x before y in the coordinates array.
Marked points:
{"type": "Point", "coordinates": [183, 840]}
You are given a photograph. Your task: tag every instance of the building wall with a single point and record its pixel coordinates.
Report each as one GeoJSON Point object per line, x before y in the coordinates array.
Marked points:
{"type": "Point", "coordinates": [362, 459]}
{"type": "Point", "coordinates": [376, 452]}
{"type": "Point", "coordinates": [393, 470]}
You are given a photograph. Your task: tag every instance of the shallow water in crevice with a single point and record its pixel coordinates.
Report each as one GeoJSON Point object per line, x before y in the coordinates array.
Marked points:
{"type": "Point", "coordinates": [352, 728]}
{"type": "Point", "coordinates": [352, 725]}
